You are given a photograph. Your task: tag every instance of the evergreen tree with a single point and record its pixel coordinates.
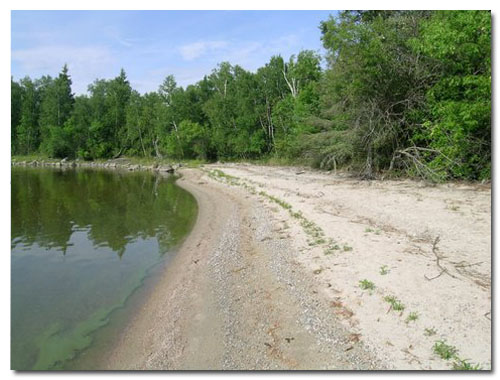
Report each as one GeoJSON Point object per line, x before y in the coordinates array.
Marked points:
{"type": "Point", "coordinates": [56, 107]}
{"type": "Point", "coordinates": [119, 91]}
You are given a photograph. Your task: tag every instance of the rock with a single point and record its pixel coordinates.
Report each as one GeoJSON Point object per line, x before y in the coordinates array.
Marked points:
{"type": "Point", "coordinates": [167, 168]}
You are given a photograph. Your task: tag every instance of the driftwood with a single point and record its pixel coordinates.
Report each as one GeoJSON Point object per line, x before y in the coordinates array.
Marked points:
{"type": "Point", "coordinates": [438, 262]}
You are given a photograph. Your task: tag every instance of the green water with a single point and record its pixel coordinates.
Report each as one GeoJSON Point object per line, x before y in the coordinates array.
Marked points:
{"type": "Point", "coordinates": [82, 243]}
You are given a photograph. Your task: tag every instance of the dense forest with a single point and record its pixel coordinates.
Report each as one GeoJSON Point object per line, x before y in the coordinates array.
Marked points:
{"type": "Point", "coordinates": [405, 92]}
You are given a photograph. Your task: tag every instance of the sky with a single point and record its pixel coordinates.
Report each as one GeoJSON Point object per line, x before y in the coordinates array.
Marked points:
{"type": "Point", "coordinates": [150, 45]}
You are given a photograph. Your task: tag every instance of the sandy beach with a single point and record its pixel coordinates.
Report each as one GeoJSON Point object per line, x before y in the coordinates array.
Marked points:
{"type": "Point", "coordinates": [290, 268]}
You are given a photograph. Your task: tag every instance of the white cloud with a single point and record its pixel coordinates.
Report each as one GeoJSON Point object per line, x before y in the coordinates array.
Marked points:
{"type": "Point", "coordinates": [85, 63]}
{"type": "Point", "coordinates": [244, 54]}
{"type": "Point", "coordinates": [52, 57]}
{"type": "Point", "coordinates": [200, 48]}
{"type": "Point", "coordinates": [249, 54]}
{"type": "Point", "coordinates": [125, 42]}
{"type": "Point", "coordinates": [184, 76]}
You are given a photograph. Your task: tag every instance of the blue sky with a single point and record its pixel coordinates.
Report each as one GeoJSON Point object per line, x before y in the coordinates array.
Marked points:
{"type": "Point", "coordinates": [150, 45]}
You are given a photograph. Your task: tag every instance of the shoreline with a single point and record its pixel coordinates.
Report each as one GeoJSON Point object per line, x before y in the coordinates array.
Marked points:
{"type": "Point", "coordinates": [221, 304]}
{"type": "Point", "coordinates": [121, 164]}
{"type": "Point", "coordinates": [172, 283]}
{"type": "Point", "coordinates": [270, 276]}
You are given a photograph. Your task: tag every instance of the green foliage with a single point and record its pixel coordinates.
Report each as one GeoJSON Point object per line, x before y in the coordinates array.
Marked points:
{"type": "Point", "coordinates": [459, 121]}
{"type": "Point", "coordinates": [414, 89]}
{"type": "Point", "coordinates": [412, 317]}
{"type": "Point", "coordinates": [57, 101]}
{"type": "Point", "coordinates": [58, 141]}
{"type": "Point", "coordinates": [331, 248]}
{"type": "Point", "coordinates": [366, 285]}
{"type": "Point", "coordinates": [447, 352]}
{"type": "Point", "coordinates": [396, 304]}
{"type": "Point", "coordinates": [384, 270]}
{"type": "Point", "coordinates": [326, 150]}
{"type": "Point", "coordinates": [16, 95]}
{"type": "Point", "coordinates": [407, 92]}
{"type": "Point", "coordinates": [430, 331]}
{"type": "Point", "coordinates": [188, 140]}
{"type": "Point", "coordinates": [28, 132]}
{"type": "Point", "coordinates": [373, 82]}
{"type": "Point", "coordinates": [444, 350]}
{"type": "Point", "coordinates": [108, 103]}
{"type": "Point", "coordinates": [464, 365]}
{"type": "Point", "coordinates": [144, 125]}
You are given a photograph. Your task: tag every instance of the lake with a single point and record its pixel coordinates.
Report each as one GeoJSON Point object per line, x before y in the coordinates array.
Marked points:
{"type": "Point", "coordinates": [86, 246]}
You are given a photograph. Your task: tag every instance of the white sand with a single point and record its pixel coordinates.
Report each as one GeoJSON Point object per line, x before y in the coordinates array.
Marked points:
{"type": "Point", "coordinates": [251, 288]}
{"type": "Point", "coordinates": [394, 224]}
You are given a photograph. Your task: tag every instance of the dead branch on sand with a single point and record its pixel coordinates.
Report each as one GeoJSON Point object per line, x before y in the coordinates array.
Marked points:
{"type": "Point", "coordinates": [438, 262]}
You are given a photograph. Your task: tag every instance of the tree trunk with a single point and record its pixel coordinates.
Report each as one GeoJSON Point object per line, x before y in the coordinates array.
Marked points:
{"type": "Point", "coordinates": [291, 85]}
{"type": "Point", "coordinates": [142, 144]}
{"type": "Point", "coordinates": [369, 163]}
{"type": "Point", "coordinates": [155, 144]}
{"type": "Point", "coordinates": [178, 138]}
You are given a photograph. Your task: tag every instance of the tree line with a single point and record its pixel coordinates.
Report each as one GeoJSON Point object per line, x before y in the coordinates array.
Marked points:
{"type": "Point", "coordinates": [406, 92]}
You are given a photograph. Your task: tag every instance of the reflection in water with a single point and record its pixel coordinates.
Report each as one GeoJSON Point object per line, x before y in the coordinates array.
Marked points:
{"type": "Point", "coordinates": [82, 241]}
{"type": "Point", "coordinates": [116, 208]}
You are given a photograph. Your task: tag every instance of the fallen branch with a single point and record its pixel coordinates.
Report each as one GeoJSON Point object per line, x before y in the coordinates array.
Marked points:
{"type": "Point", "coordinates": [464, 264]}
{"type": "Point", "coordinates": [438, 262]}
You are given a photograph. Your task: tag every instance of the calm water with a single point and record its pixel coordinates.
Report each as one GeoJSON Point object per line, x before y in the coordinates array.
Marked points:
{"type": "Point", "coordinates": [83, 242]}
